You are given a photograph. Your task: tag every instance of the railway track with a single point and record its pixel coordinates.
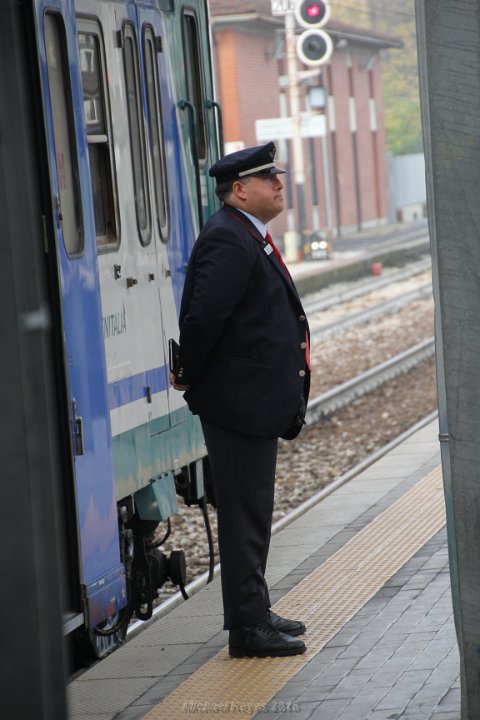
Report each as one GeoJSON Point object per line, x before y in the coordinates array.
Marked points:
{"type": "Point", "coordinates": [385, 307]}
{"type": "Point", "coordinates": [365, 287]}
{"type": "Point", "coordinates": [341, 395]}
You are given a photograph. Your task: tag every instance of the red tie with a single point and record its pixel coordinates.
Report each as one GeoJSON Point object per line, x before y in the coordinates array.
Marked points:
{"type": "Point", "coordinates": [276, 252]}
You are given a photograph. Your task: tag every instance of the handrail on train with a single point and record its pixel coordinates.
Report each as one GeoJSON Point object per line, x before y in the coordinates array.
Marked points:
{"type": "Point", "coordinates": [212, 104]}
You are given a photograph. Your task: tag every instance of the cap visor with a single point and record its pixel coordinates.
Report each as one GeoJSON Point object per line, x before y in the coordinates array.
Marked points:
{"type": "Point", "coordinates": [270, 171]}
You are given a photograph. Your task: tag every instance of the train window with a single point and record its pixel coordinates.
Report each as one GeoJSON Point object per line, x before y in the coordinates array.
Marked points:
{"type": "Point", "coordinates": [69, 196]}
{"type": "Point", "coordinates": [156, 133]}
{"type": "Point", "coordinates": [193, 73]}
{"type": "Point", "coordinates": [100, 150]}
{"type": "Point", "coordinates": [137, 138]}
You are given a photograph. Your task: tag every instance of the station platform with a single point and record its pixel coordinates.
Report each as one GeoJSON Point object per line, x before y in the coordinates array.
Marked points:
{"type": "Point", "coordinates": [354, 254]}
{"type": "Point", "coordinates": [366, 569]}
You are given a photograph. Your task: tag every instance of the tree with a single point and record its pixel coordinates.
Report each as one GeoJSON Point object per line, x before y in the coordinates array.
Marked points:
{"type": "Point", "coordinates": [395, 18]}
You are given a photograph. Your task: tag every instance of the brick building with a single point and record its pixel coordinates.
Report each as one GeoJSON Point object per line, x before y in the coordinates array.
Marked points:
{"type": "Point", "coordinates": [346, 186]}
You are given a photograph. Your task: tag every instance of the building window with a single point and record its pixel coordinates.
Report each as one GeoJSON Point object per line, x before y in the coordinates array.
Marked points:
{"type": "Point", "coordinates": [137, 136]}
{"type": "Point", "coordinates": [155, 127]}
{"type": "Point", "coordinates": [100, 146]}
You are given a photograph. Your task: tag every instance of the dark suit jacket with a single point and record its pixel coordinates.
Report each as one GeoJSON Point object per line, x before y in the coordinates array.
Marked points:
{"type": "Point", "coordinates": [242, 327]}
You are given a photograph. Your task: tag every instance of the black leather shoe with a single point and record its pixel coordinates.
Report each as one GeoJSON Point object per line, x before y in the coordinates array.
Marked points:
{"type": "Point", "coordinates": [263, 641]}
{"type": "Point", "coordinates": [289, 627]}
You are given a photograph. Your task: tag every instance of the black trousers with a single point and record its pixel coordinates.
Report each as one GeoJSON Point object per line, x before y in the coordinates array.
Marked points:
{"type": "Point", "coordinates": [244, 478]}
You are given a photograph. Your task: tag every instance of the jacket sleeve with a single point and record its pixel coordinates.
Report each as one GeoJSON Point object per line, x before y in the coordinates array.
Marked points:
{"type": "Point", "coordinates": [219, 271]}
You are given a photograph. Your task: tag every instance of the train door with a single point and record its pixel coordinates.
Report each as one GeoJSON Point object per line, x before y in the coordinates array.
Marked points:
{"type": "Point", "coordinates": [167, 182]}
{"type": "Point", "coordinates": [101, 572]}
{"type": "Point", "coordinates": [144, 48]}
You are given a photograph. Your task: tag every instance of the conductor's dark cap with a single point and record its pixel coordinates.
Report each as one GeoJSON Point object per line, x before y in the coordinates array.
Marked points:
{"type": "Point", "coordinates": [245, 163]}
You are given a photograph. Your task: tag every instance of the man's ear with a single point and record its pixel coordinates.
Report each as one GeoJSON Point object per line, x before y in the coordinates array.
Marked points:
{"type": "Point", "coordinates": [238, 189]}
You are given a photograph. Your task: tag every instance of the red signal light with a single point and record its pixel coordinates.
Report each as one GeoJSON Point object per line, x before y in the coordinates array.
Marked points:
{"type": "Point", "coordinates": [313, 13]}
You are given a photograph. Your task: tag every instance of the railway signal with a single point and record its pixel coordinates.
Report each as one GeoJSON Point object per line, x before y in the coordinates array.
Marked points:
{"type": "Point", "coordinates": [314, 46]}
{"type": "Point", "coordinates": [312, 14]}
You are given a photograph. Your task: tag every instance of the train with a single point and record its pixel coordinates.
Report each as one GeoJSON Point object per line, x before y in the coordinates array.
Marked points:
{"type": "Point", "coordinates": [129, 126]}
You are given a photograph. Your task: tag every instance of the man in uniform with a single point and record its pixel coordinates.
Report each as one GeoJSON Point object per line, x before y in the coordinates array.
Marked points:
{"type": "Point", "coordinates": [244, 365]}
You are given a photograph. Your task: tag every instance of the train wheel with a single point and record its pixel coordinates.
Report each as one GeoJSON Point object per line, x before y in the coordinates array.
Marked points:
{"type": "Point", "coordinates": [91, 645]}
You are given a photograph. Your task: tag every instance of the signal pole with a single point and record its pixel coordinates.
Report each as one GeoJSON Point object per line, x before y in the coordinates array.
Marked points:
{"type": "Point", "coordinates": [314, 47]}
{"type": "Point", "coordinates": [298, 163]}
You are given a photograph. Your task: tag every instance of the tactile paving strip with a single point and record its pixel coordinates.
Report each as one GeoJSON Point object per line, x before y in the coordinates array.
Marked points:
{"type": "Point", "coordinates": [325, 600]}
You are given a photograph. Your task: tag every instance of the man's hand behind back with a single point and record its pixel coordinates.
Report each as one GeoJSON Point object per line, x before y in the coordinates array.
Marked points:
{"type": "Point", "coordinates": [182, 388]}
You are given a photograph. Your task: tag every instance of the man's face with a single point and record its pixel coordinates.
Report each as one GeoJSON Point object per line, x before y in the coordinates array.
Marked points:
{"type": "Point", "coordinates": [263, 196]}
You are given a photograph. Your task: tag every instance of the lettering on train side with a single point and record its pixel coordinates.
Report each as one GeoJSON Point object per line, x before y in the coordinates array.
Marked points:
{"type": "Point", "coordinates": [114, 324]}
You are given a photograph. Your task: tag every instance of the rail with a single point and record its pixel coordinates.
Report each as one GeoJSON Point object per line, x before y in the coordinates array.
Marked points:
{"type": "Point", "coordinates": [342, 395]}
{"type": "Point", "coordinates": [337, 297]}
{"type": "Point", "coordinates": [385, 307]}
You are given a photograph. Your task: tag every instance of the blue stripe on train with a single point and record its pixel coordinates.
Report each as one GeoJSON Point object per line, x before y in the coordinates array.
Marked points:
{"type": "Point", "coordinates": [127, 390]}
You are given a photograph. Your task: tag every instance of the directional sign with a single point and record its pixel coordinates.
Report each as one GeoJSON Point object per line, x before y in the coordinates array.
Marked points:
{"type": "Point", "coordinates": [282, 7]}
{"type": "Point", "coordinates": [282, 128]}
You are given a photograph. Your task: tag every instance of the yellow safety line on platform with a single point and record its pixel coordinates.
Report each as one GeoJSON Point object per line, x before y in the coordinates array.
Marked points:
{"type": "Point", "coordinates": [325, 600]}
